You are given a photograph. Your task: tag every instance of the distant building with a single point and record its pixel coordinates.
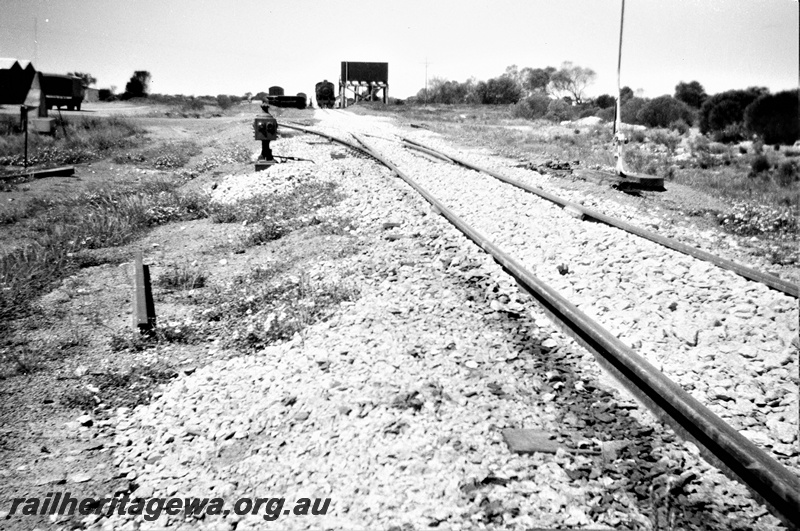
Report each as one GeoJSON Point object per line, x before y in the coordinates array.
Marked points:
{"type": "Point", "coordinates": [16, 76]}
{"type": "Point", "coordinates": [92, 94]}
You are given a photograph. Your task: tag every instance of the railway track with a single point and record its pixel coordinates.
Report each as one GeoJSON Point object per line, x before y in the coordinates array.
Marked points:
{"type": "Point", "coordinates": [616, 287]}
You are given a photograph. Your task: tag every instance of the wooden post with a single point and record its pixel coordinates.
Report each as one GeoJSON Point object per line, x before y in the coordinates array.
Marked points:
{"type": "Point", "coordinates": [23, 111]}
{"type": "Point", "coordinates": [144, 312]}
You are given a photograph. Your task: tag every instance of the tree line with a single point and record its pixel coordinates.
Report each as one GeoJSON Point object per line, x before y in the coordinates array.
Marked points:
{"type": "Point", "coordinates": [558, 94]}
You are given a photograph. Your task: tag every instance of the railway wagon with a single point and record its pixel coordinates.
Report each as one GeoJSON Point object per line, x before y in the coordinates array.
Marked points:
{"type": "Point", "coordinates": [294, 102]}
{"type": "Point", "coordinates": [63, 91]}
{"type": "Point", "coordinates": [326, 95]}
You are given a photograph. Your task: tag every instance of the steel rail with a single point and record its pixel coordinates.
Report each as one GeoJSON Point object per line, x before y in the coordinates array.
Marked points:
{"type": "Point", "coordinates": [749, 273]}
{"type": "Point", "coordinates": [430, 152]}
{"type": "Point", "coordinates": [769, 481]}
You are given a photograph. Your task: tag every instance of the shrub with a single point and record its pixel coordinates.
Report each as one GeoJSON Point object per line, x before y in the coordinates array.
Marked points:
{"type": "Point", "coordinates": [105, 95]}
{"type": "Point", "coordinates": [774, 117]}
{"type": "Point", "coordinates": [193, 104]}
{"type": "Point", "coordinates": [731, 133]}
{"type": "Point", "coordinates": [631, 108]}
{"type": "Point", "coordinates": [606, 114]}
{"type": "Point", "coordinates": [498, 90]}
{"type": "Point", "coordinates": [759, 164]}
{"type": "Point", "coordinates": [786, 174]}
{"type": "Point", "coordinates": [587, 111]}
{"type": "Point", "coordinates": [224, 101]}
{"type": "Point", "coordinates": [662, 111]}
{"type": "Point", "coordinates": [700, 144]}
{"type": "Point", "coordinates": [532, 107]}
{"type": "Point", "coordinates": [680, 126]}
{"type": "Point", "coordinates": [637, 136]}
{"type": "Point", "coordinates": [726, 109]}
{"type": "Point", "coordinates": [692, 93]}
{"type": "Point", "coordinates": [666, 138]}
{"type": "Point", "coordinates": [604, 101]}
{"type": "Point", "coordinates": [559, 111]}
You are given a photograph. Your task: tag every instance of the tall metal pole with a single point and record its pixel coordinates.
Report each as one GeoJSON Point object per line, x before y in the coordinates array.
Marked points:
{"type": "Point", "coordinates": [426, 80]}
{"type": "Point", "coordinates": [619, 137]}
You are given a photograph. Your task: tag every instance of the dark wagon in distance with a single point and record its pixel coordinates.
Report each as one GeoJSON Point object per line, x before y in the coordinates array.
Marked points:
{"type": "Point", "coordinates": [63, 91]}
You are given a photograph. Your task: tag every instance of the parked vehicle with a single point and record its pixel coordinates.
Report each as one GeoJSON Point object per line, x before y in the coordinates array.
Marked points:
{"type": "Point", "coordinates": [63, 91]}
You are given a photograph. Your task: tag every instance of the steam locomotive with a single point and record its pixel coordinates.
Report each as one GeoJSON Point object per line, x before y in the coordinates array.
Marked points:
{"type": "Point", "coordinates": [326, 96]}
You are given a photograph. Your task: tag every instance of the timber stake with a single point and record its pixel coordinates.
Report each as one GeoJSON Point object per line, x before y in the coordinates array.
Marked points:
{"type": "Point", "coordinates": [144, 311]}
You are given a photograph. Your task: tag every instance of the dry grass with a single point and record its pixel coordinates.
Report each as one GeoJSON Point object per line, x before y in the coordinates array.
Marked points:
{"type": "Point", "coordinates": [64, 227]}
{"type": "Point", "coordinates": [75, 140]}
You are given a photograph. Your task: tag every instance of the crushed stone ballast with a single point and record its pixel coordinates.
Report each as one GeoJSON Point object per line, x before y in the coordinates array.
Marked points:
{"type": "Point", "coordinates": [772, 483]}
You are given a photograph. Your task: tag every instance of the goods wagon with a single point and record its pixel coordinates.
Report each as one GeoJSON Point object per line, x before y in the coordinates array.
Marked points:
{"type": "Point", "coordinates": [295, 102]}
{"type": "Point", "coordinates": [62, 91]}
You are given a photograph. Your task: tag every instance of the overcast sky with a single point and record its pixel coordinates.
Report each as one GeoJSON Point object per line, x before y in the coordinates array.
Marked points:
{"type": "Point", "coordinates": [232, 47]}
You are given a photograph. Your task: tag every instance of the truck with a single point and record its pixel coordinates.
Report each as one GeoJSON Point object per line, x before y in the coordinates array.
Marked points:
{"type": "Point", "coordinates": [63, 91]}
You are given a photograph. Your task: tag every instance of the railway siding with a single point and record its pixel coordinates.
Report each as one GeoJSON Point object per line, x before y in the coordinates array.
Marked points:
{"type": "Point", "coordinates": [692, 321]}
{"type": "Point", "coordinates": [394, 407]}
{"type": "Point", "coordinates": [778, 357]}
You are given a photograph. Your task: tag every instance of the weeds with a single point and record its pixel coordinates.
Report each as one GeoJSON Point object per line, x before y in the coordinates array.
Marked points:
{"type": "Point", "coordinates": [747, 219]}
{"type": "Point", "coordinates": [666, 138]}
{"type": "Point", "coordinates": [102, 218]}
{"type": "Point", "coordinates": [172, 332]}
{"type": "Point", "coordinates": [124, 389]}
{"type": "Point", "coordinates": [232, 154]}
{"type": "Point", "coordinates": [86, 139]}
{"type": "Point", "coordinates": [279, 214]}
{"type": "Point", "coordinates": [166, 156]}
{"type": "Point", "coordinates": [264, 307]}
{"type": "Point", "coordinates": [79, 398]}
{"type": "Point", "coordinates": [181, 278]}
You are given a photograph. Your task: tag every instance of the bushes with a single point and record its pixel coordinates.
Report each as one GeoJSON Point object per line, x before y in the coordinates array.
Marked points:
{"type": "Point", "coordinates": [692, 94]}
{"type": "Point", "coordinates": [532, 107]}
{"type": "Point", "coordinates": [758, 165]}
{"type": "Point", "coordinates": [559, 110]}
{"type": "Point", "coordinates": [787, 173]}
{"type": "Point", "coordinates": [631, 108]}
{"type": "Point", "coordinates": [587, 110]}
{"type": "Point", "coordinates": [498, 90]}
{"type": "Point", "coordinates": [193, 104]}
{"type": "Point", "coordinates": [606, 114]}
{"type": "Point", "coordinates": [680, 126]}
{"type": "Point", "coordinates": [774, 117]}
{"type": "Point", "coordinates": [662, 111]}
{"type": "Point", "coordinates": [224, 102]}
{"type": "Point", "coordinates": [106, 95]}
{"type": "Point", "coordinates": [604, 101]}
{"type": "Point", "coordinates": [726, 111]}
{"type": "Point", "coordinates": [448, 92]}
{"type": "Point", "coordinates": [668, 139]}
